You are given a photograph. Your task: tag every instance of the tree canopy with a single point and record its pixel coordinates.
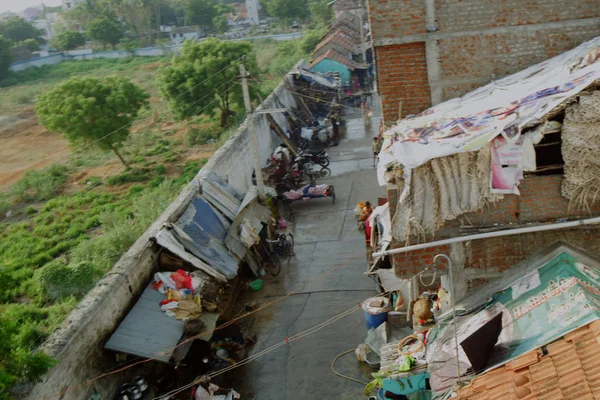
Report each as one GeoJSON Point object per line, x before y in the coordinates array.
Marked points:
{"type": "Point", "coordinates": [69, 40]}
{"type": "Point", "coordinates": [200, 12]}
{"type": "Point", "coordinates": [189, 83]}
{"type": "Point", "coordinates": [86, 110]}
{"type": "Point", "coordinates": [18, 30]}
{"type": "Point", "coordinates": [5, 57]}
{"type": "Point", "coordinates": [105, 30]}
{"type": "Point", "coordinates": [320, 12]}
{"type": "Point", "coordinates": [287, 10]}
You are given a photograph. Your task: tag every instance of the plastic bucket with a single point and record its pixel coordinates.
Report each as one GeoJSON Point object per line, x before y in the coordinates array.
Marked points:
{"type": "Point", "coordinates": [373, 321]}
{"type": "Point", "coordinates": [256, 285]}
{"type": "Point", "coordinates": [375, 314]}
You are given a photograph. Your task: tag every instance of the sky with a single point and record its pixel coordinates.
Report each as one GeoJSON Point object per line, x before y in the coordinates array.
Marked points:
{"type": "Point", "coordinates": [20, 5]}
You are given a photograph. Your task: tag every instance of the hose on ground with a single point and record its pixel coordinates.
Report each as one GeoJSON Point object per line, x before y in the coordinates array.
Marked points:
{"type": "Point", "coordinates": [342, 375]}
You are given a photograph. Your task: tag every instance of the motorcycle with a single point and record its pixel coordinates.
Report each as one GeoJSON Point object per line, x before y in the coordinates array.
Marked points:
{"type": "Point", "coordinates": [320, 157]}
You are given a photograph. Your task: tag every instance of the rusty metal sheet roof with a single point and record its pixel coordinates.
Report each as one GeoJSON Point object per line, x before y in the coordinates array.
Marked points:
{"type": "Point", "coordinates": [147, 331]}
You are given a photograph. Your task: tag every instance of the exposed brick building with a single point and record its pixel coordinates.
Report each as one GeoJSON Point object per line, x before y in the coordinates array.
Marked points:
{"type": "Point", "coordinates": [430, 51]}
{"type": "Point", "coordinates": [454, 192]}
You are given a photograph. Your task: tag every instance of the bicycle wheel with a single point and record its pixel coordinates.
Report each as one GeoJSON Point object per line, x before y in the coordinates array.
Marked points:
{"type": "Point", "coordinates": [290, 245]}
{"type": "Point", "coordinates": [274, 265]}
{"type": "Point", "coordinates": [323, 162]}
{"type": "Point", "coordinates": [324, 172]}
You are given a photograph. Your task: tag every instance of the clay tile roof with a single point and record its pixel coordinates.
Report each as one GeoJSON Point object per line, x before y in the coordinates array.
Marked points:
{"type": "Point", "coordinates": [337, 57]}
{"type": "Point", "coordinates": [341, 38]}
{"type": "Point", "coordinates": [569, 371]}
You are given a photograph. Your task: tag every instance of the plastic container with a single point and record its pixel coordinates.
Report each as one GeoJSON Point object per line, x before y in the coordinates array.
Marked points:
{"type": "Point", "coordinates": [256, 285]}
{"type": "Point", "coordinates": [376, 314]}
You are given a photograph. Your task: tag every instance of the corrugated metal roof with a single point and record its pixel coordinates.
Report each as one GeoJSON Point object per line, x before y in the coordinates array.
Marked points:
{"type": "Point", "coordinates": [220, 195]}
{"type": "Point", "coordinates": [202, 233]}
{"type": "Point", "coordinates": [147, 331]}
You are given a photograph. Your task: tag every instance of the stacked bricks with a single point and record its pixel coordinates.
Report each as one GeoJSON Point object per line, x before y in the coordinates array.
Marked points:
{"type": "Point", "coordinates": [402, 78]}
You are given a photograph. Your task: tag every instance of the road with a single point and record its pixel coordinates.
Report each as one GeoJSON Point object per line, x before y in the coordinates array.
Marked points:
{"type": "Point", "coordinates": [326, 238]}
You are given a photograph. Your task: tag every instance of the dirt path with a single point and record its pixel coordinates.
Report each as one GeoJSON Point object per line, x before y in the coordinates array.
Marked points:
{"type": "Point", "coordinates": [25, 146]}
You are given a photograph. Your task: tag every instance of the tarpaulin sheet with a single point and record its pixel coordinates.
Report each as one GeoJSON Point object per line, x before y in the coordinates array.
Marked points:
{"type": "Point", "coordinates": [469, 122]}
{"type": "Point", "coordinates": [202, 233]}
{"type": "Point", "coordinates": [318, 78]}
{"type": "Point", "coordinates": [538, 308]}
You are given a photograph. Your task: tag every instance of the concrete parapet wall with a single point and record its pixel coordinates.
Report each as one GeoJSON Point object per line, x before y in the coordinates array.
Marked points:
{"type": "Point", "coordinates": [78, 344]}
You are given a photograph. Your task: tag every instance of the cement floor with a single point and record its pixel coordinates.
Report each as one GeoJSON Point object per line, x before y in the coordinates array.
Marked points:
{"type": "Point", "coordinates": [326, 237]}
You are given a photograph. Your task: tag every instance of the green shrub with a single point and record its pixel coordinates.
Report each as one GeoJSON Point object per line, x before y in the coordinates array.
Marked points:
{"type": "Point", "coordinates": [159, 148]}
{"type": "Point", "coordinates": [196, 136]}
{"type": "Point", "coordinates": [58, 279]}
{"type": "Point", "coordinates": [159, 169]}
{"type": "Point", "coordinates": [30, 210]}
{"type": "Point", "coordinates": [5, 204]}
{"type": "Point", "coordinates": [132, 175]}
{"type": "Point", "coordinates": [40, 185]}
{"type": "Point", "coordinates": [133, 189]}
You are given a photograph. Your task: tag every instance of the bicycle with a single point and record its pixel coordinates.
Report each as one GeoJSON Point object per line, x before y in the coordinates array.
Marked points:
{"type": "Point", "coordinates": [283, 246]}
{"type": "Point", "coordinates": [267, 258]}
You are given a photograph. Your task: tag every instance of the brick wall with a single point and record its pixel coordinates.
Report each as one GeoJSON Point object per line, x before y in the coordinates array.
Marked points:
{"type": "Point", "coordinates": [472, 61]}
{"type": "Point", "coordinates": [471, 42]}
{"type": "Point", "coordinates": [540, 201]}
{"type": "Point", "coordinates": [393, 18]}
{"type": "Point", "coordinates": [464, 15]}
{"type": "Point", "coordinates": [402, 78]}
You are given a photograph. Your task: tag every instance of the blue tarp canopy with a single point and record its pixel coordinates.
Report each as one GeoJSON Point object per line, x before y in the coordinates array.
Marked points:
{"type": "Point", "coordinates": [318, 78]}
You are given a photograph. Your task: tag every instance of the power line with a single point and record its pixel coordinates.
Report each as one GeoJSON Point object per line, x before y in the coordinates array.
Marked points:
{"type": "Point", "coordinates": [139, 119]}
{"type": "Point", "coordinates": [226, 324]}
{"type": "Point", "coordinates": [287, 340]}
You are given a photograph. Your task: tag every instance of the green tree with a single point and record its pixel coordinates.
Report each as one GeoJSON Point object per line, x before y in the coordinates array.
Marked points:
{"type": "Point", "coordinates": [5, 57]}
{"type": "Point", "coordinates": [204, 74]}
{"type": "Point", "coordinates": [200, 12]}
{"type": "Point", "coordinates": [287, 10]}
{"type": "Point", "coordinates": [311, 40]}
{"type": "Point", "coordinates": [69, 40]}
{"type": "Point", "coordinates": [105, 30]}
{"type": "Point", "coordinates": [31, 44]}
{"type": "Point", "coordinates": [88, 110]}
{"type": "Point", "coordinates": [18, 30]}
{"type": "Point", "coordinates": [320, 12]}
{"type": "Point", "coordinates": [220, 23]}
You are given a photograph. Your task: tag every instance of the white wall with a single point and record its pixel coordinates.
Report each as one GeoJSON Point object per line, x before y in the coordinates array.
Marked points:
{"type": "Point", "coordinates": [87, 54]}
{"type": "Point", "coordinates": [37, 62]}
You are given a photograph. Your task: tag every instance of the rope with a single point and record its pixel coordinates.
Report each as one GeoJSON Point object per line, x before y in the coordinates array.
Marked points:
{"type": "Point", "coordinates": [342, 375]}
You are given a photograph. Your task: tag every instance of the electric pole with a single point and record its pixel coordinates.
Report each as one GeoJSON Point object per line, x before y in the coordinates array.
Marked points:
{"type": "Point", "coordinates": [251, 134]}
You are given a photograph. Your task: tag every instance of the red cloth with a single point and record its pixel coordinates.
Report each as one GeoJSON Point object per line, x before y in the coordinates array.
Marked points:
{"type": "Point", "coordinates": [368, 232]}
{"type": "Point", "coordinates": [182, 280]}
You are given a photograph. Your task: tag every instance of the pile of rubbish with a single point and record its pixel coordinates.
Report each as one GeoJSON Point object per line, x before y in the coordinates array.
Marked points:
{"type": "Point", "coordinates": [182, 290]}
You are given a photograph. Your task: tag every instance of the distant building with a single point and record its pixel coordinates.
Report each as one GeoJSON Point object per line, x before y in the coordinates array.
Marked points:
{"type": "Point", "coordinates": [252, 7]}
{"type": "Point", "coordinates": [68, 4]}
{"type": "Point", "coordinates": [46, 25]}
{"type": "Point", "coordinates": [181, 33]}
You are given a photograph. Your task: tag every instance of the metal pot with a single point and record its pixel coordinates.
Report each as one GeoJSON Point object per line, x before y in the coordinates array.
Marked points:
{"type": "Point", "coordinates": [136, 393]}
{"type": "Point", "coordinates": [141, 383]}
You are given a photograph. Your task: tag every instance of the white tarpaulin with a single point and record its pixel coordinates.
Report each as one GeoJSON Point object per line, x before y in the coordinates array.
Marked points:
{"type": "Point", "coordinates": [504, 107]}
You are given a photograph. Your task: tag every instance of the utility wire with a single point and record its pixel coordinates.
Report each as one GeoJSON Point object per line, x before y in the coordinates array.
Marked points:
{"type": "Point", "coordinates": [139, 119]}
{"type": "Point", "coordinates": [226, 324]}
{"type": "Point", "coordinates": [287, 340]}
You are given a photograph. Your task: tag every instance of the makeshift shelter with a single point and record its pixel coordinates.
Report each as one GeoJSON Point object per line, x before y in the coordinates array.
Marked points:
{"type": "Point", "coordinates": [462, 154]}
{"type": "Point", "coordinates": [541, 300]}
{"type": "Point", "coordinates": [316, 78]}
{"type": "Point", "coordinates": [332, 61]}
